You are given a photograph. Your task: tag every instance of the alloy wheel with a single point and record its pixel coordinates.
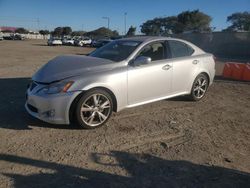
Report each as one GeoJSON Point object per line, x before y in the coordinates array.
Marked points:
{"type": "Point", "coordinates": [95, 109]}
{"type": "Point", "coordinates": [200, 87]}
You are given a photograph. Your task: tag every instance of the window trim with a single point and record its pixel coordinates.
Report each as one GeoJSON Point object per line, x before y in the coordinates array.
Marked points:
{"type": "Point", "coordinates": [170, 51]}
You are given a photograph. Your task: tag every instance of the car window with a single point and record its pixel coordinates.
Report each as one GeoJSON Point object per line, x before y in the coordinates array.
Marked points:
{"type": "Point", "coordinates": [155, 51]}
{"type": "Point", "coordinates": [180, 49]}
{"type": "Point", "coordinates": [116, 50]}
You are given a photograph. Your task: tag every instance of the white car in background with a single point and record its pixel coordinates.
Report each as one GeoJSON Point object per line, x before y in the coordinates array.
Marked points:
{"type": "Point", "coordinates": [1, 36]}
{"type": "Point", "coordinates": [54, 41]}
{"type": "Point", "coordinates": [84, 42]}
{"type": "Point", "coordinates": [68, 41]}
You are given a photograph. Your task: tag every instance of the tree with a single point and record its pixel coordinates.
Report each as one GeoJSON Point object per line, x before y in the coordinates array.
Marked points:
{"type": "Point", "coordinates": [57, 32]}
{"type": "Point", "coordinates": [170, 25]}
{"type": "Point", "coordinates": [78, 33]}
{"type": "Point", "coordinates": [44, 32]}
{"type": "Point", "coordinates": [185, 21]}
{"type": "Point", "coordinates": [240, 21]}
{"type": "Point", "coordinates": [21, 30]}
{"type": "Point", "coordinates": [152, 27]}
{"type": "Point", "coordinates": [61, 31]}
{"type": "Point", "coordinates": [66, 30]}
{"type": "Point", "coordinates": [101, 32]}
{"type": "Point", "coordinates": [194, 21]}
{"type": "Point", "coordinates": [131, 31]}
{"type": "Point", "coordinates": [161, 26]}
{"type": "Point", "coordinates": [115, 33]}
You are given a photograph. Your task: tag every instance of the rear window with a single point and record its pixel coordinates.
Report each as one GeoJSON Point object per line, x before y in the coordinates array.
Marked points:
{"type": "Point", "coordinates": [179, 49]}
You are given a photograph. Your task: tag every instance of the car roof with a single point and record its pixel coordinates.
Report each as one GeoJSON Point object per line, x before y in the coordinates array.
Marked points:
{"type": "Point", "coordinates": [145, 38]}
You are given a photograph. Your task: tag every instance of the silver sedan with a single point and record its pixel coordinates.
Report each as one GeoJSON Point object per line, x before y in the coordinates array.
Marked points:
{"type": "Point", "coordinates": [122, 74]}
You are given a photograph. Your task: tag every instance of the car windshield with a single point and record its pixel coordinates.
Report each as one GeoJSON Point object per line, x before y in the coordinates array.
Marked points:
{"type": "Point", "coordinates": [116, 50]}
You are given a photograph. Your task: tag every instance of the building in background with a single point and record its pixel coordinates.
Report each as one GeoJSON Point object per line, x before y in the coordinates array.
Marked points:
{"type": "Point", "coordinates": [5, 28]}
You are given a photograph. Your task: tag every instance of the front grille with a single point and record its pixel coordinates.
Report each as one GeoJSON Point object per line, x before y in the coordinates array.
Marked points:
{"type": "Point", "coordinates": [32, 108]}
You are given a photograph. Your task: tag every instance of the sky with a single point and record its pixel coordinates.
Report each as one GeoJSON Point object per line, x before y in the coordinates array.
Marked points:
{"type": "Point", "coordinates": [88, 15]}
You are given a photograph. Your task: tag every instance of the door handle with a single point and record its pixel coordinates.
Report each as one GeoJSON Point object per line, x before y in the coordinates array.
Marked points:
{"type": "Point", "coordinates": [166, 67]}
{"type": "Point", "coordinates": [195, 62]}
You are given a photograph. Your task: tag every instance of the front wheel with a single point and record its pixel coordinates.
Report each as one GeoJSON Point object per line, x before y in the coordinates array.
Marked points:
{"type": "Point", "coordinates": [199, 87]}
{"type": "Point", "coordinates": [94, 108]}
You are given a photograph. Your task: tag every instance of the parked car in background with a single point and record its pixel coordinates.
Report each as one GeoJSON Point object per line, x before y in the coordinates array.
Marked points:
{"type": "Point", "coordinates": [7, 37]}
{"type": "Point", "coordinates": [68, 41]}
{"type": "Point", "coordinates": [83, 42]}
{"type": "Point", "coordinates": [13, 37]}
{"type": "Point", "coordinates": [76, 39]}
{"type": "Point", "coordinates": [122, 74]}
{"type": "Point", "coordinates": [18, 37]}
{"type": "Point", "coordinates": [54, 42]}
{"type": "Point", "coordinates": [101, 42]}
{"type": "Point", "coordinates": [1, 36]}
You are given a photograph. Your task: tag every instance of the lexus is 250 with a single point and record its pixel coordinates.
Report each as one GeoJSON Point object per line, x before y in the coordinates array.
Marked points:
{"type": "Point", "coordinates": [122, 74]}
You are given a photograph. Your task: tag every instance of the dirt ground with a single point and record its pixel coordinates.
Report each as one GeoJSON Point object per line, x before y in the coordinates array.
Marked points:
{"type": "Point", "coordinates": [170, 143]}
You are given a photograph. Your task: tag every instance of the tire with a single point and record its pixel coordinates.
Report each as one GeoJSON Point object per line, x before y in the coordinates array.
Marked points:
{"type": "Point", "coordinates": [94, 108]}
{"type": "Point", "coordinates": [199, 87]}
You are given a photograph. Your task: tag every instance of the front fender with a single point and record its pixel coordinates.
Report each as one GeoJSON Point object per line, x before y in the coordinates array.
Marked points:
{"type": "Point", "coordinates": [116, 83]}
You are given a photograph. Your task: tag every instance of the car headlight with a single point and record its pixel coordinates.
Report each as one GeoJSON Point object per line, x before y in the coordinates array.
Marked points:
{"type": "Point", "coordinates": [58, 87]}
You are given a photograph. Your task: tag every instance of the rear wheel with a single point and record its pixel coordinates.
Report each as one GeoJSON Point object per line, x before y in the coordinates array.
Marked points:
{"type": "Point", "coordinates": [199, 87]}
{"type": "Point", "coordinates": [94, 108]}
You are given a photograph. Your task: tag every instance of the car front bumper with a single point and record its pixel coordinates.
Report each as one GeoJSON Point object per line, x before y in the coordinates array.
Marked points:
{"type": "Point", "coordinates": [53, 108]}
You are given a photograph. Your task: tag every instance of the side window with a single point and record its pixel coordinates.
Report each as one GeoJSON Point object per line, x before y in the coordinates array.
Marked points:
{"type": "Point", "coordinates": [155, 51]}
{"type": "Point", "coordinates": [179, 49]}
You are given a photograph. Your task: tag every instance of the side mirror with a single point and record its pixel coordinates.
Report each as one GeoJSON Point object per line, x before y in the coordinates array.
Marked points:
{"type": "Point", "coordinates": [141, 60]}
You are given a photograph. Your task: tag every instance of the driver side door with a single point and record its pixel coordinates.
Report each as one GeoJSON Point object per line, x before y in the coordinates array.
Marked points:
{"type": "Point", "coordinates": [150, 81]}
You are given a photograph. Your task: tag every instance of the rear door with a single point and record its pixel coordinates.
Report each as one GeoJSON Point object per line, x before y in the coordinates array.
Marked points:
{"type": "Point", "coordinates": [184, 65]}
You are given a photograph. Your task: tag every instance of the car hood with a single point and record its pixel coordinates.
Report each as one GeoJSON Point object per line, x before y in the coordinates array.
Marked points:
{"type": "Point", "coordinates": [67, 66]}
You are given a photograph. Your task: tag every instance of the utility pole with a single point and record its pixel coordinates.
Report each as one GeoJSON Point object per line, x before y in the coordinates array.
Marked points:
{"type": "Point", "coordinates": [107, 18]}
{"type": "Point", "coordinates": [38, 24]}
{"type": "Point", "coordinates": [125, 23]}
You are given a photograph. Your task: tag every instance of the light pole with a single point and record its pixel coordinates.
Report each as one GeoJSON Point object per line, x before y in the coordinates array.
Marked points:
{"type": "Point", "coordinates": [125, 23]}
{"type": "Point", "coordinates": [107, 18]}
